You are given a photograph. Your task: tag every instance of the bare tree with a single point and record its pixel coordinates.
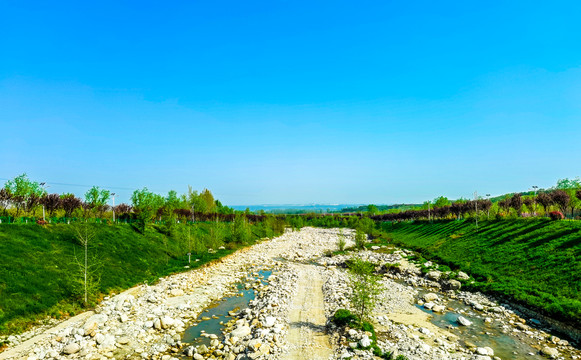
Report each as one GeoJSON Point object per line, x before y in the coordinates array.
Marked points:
{"type": "Point", "coordinates": [86, 235]}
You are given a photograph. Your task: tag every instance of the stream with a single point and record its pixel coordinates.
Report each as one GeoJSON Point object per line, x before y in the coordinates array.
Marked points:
{"type": "Point", "coordinates": [212, 319]}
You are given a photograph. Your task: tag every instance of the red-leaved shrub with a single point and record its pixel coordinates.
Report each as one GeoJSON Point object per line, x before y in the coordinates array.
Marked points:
{"type": "Point", "coordinates": [556, 215]}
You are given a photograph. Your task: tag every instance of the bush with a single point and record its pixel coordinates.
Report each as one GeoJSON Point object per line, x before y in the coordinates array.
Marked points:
{"type": "Point", "coordinates": [344, 317]}
{"type": "Point", "coordinates": [556, 215]}
{"type": "Point", "coordinates": [360, 239]}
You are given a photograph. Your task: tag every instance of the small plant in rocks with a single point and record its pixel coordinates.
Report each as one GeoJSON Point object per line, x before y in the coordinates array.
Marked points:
{"type": "Point", "coordinates": [344, 317]}
{"type": "Point", "coordinates": [341, 241]}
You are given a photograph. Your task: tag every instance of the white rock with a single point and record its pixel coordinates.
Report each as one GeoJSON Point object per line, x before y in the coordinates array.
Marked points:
{"type": "Point", "coordinates": [463, 321]}
{"type": "Point", "coordinates": [269, 321]}
{"type": "Point", "coordinates": [71, 348]}
{"type": "Point", "coordinates": [430, 297]}
{"type": "Point", "coordinates": [166, 322]}
{"type": "Point", "coordinates": [241, 331]}
{"type": "Point", "coordinates": [365, 341]}
{"type": "Point", "coordinates": [549, 351]}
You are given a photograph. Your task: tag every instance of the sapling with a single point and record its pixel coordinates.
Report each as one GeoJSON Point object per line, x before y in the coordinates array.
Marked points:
{"type": "Point", "coordinates": [365, 287]}
{"type": "Point", "coordinates": [341, 241]}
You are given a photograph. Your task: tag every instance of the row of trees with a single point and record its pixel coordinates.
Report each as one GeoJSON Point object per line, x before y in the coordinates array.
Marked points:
{"type": "Point", "coordinates": [515, 204]}
{"type": "Point", "coordinates": [24, 197]}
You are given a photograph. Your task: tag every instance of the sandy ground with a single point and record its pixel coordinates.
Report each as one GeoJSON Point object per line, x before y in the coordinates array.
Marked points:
{"type": "Point", "coordinates": [306, 337]}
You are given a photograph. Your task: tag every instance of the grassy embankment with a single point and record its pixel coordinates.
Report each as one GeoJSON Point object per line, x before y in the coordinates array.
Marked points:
{"type": "Point", "coordinates": [534, 262]}
{"type": "Point", "coordinates": [39, 273]}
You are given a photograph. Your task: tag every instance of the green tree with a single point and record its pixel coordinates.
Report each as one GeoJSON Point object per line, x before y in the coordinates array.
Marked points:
{"type": "Point", "coordinates": [22, 190]}
{"type": "Point", "coordinates": [145, 206]}
{"type": "Point", "coordinates": [365, 288]}
{"type": "Point", "coordinates": [441, 201]}
{"type": "Point", "coordinates": [372, 209]}
{"type": "Point", "coordinates": [97, 199]}
{"type": "Point", "coordinates": [209, 202]}
{"type": "Point", "coordinates": [240, 230]}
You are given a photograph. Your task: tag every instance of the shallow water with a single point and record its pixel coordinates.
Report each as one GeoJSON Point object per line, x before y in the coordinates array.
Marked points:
{"type": "Point", "coordinates": [482, 334]}
{"type": "Point", "coordinates": [218, 312]}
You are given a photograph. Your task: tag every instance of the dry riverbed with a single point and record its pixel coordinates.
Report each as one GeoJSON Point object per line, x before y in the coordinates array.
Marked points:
{"type": "Point", "coordinates": [418, 316]}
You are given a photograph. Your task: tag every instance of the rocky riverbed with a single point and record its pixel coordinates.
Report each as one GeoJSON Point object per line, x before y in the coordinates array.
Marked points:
{"type": "Point", "coordinates": [420, 316]}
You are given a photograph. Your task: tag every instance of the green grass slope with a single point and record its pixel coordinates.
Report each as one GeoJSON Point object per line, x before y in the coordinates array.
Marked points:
{"type": "Point", "coordinates": [534, 262]}
{"type": "Point", "coordinates": [39, 274]}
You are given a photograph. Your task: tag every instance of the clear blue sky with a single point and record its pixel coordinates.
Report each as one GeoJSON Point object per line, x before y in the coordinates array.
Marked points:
{"type": "Point", "coordinates": [292, 101]}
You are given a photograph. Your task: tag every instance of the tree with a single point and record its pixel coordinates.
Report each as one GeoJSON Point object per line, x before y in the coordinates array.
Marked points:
{"type": "Point", "coordinates": [145, 205]}
{"type": "Point", "coordinates": [441, 201]}
{"type": "Point", "coordinates": [22, 189]}
{"type": "Point", "coordinates": [97, 199]}
{"type": "Point", "coordinates": [31, 202]}
{"type": "Point", "coordinates": [365, 287]}
{"type": "Point", "coordinates": [209, 202]}
{"type": "Point", "coordinates": [529, 203]}
{"type": "Point", "coordinates": [516, 203]}
{"type": "Point", "coordinates": [69, 203]}
{"type": "Point", "coordinates": [457, 209]}
{"type": "Point", "coordinates": [5, 198]}
{"type": "Point", "coordinates": [240, 230]}
{"type": "Point", "coordinates": [570, 186]}
{"type": "Point", "coordinates": [372, 209]}
{"type": "Point", "coordinates": [561, 199]}
{"type": "Point", "coordinates": [545, 200]}
{"type": "Point", "coordinates": [122, 211]}
{"type": "Point", "coordinates": [505, 204]}
{"type": "Point", "coordinates": [51, 203]}
{"type": "Point", "coordinates": [87, 265]}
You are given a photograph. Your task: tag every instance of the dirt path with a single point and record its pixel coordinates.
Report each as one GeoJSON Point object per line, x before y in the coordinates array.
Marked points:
{"type": "Point", "coordinates": [306, 336]}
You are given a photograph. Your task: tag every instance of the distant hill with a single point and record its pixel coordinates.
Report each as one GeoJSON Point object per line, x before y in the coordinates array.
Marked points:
{"type": "Point", "coordinates": [294, 208]}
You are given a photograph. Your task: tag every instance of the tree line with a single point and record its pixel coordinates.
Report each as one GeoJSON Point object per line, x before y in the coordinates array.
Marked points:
{"type": "Point", "coordinates": [560, 201]}
{"type": "Point", "coordinates": [22, 197]}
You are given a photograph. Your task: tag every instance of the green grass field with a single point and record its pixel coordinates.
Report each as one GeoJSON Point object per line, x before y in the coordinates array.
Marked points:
{"type": "Point", "coordinates": [534, 262]}
{"type": "Point", "coordinates": [39, 274]}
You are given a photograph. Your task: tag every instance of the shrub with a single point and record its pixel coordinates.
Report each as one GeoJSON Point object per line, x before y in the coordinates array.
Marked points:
{"type": "Point", "coordinates": [556, 215]}
{"type": "Point", "coordinates": [360, 239]}
{"type": "Point", "coordinates": [344, 317]}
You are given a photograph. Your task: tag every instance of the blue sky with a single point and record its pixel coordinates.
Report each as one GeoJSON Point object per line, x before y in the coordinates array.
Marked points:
{"type": "Point", "coordinates": [292, 101]}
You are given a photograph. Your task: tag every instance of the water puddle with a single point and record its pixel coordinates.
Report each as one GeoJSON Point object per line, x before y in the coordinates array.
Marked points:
{"type": "Point", "coordinates": [213, 318]}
